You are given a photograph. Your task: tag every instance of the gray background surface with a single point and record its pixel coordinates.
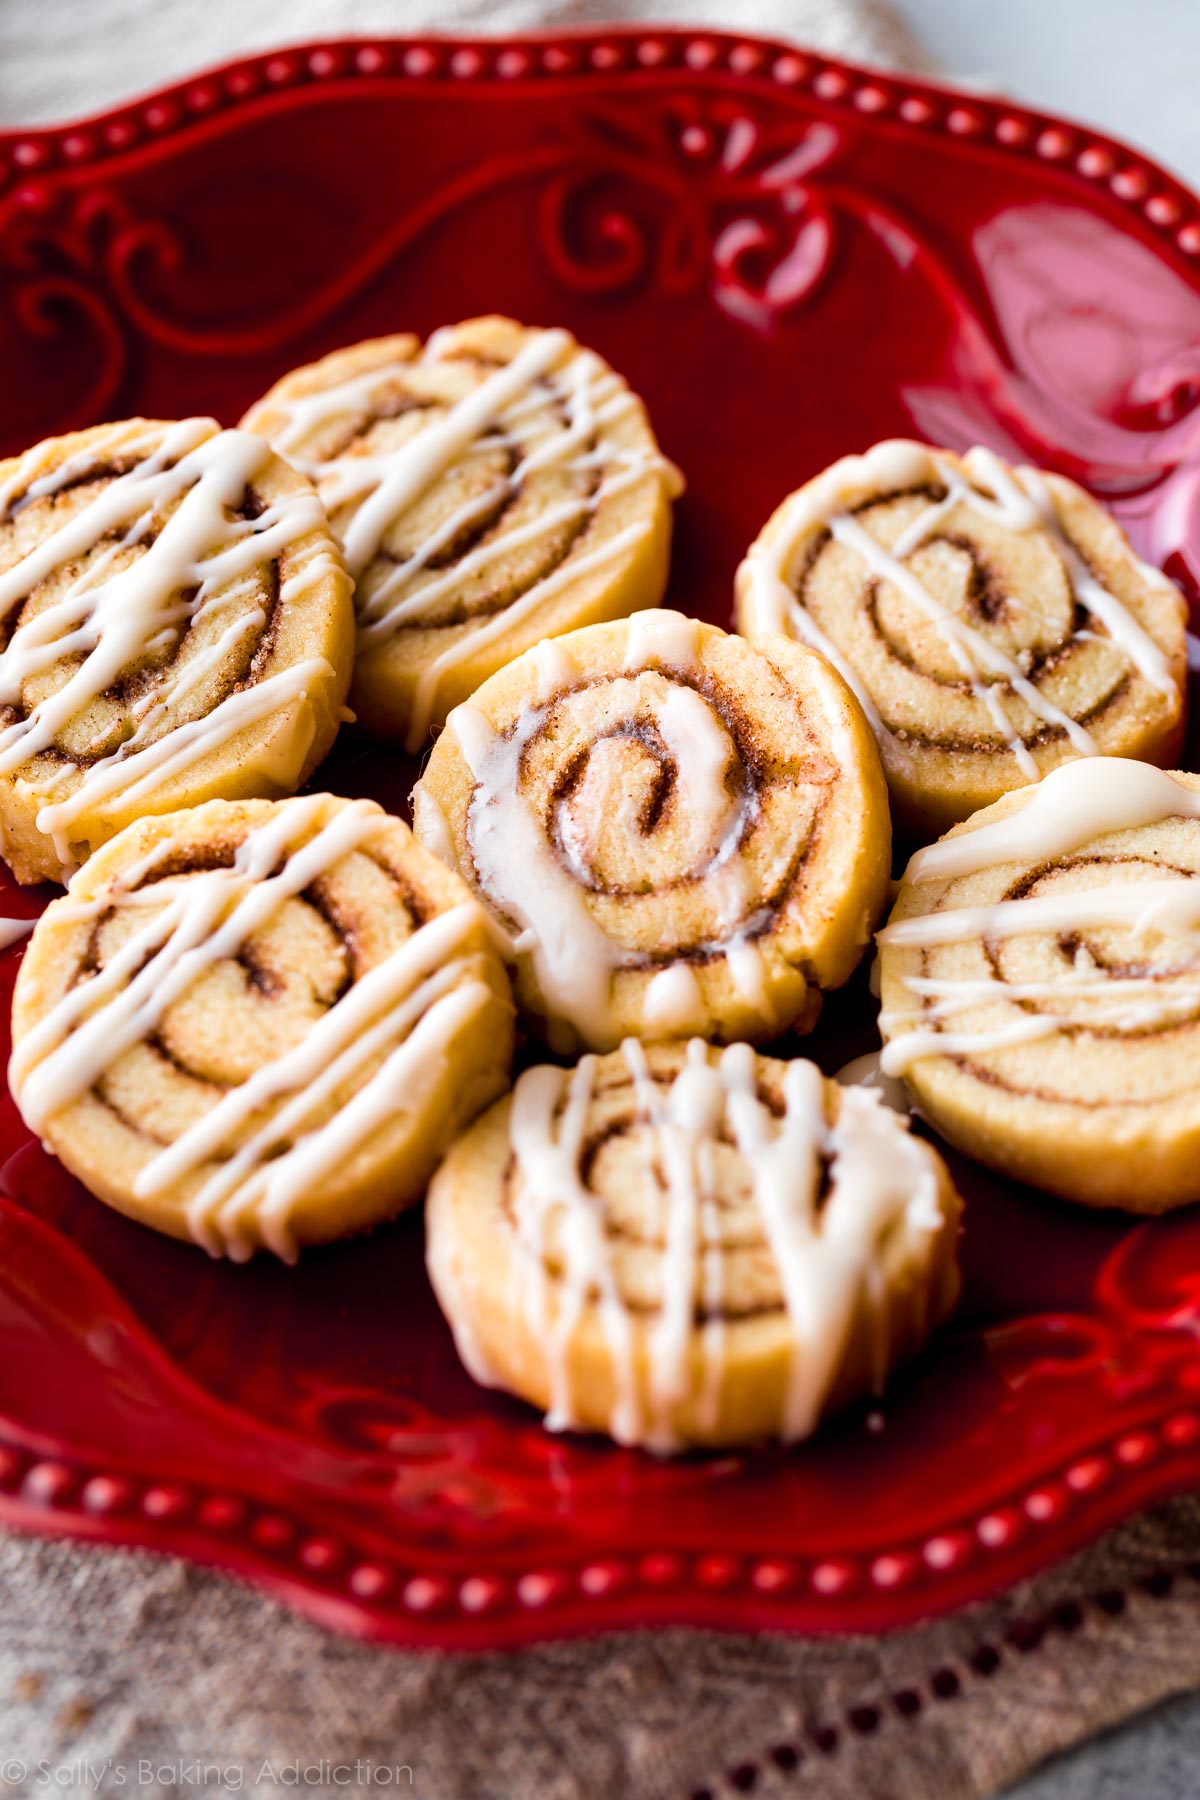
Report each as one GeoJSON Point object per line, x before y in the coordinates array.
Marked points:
{"type": "Point", "coordinates": [1129, 66]}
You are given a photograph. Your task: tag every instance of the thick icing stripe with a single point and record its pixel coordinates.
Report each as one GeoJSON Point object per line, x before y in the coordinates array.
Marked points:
{"type": "Point", "coordinates": [1068, 808]}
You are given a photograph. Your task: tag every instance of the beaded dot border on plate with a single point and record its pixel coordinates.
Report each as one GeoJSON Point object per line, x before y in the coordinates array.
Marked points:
{"type": "Point", "coordinates": [1131, 180]}
{"type": "Point", "coordinates": [284, 1545]}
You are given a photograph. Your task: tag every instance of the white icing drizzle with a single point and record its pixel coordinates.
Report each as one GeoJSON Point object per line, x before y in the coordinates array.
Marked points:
{"type": "Point", "coordinates": [1120, 624]}
{"type": "Point", "coordinates": [406, 1009]}
{"type": "Point", "coordinates": [825, 1256]}
{"type": "Point", "coordinates": [867, 1072]}
{"type": "Point", "coordinates": [111, 620]}
{"type": "Point", "coordinates": [549, 366]}
{"type": "Point", "coordinates": [973, 652]}
{"type": "Point", "coordinates": [550, 1167]}
{"type": "Point", "coordinates": [556, 667]}
{"type": "Point", "coordinates": [1166, 906]}
{"type": "Point", "coordinates": [429, 682]}
{"type": "Point", "coordinates": [519, 874]}
{"type": "Point", "coordinates": [412, 471]}
{"type": "Point", "coordinates": [522, 879]}
{"type": "Point", "coordinates": [674, 1002]}
{"type": "Point", "coordinates": [13, 930]}
{"type": "Point", "coordinates": [130, 775]}
{"type": "Point", "coordinates": [661, 636]}
{"type": "Point", "coordinates": [1018, 500]}
{"type": "Point", "coordinates": [1071, 807]}
{"type": "Point", "coordinates": [1127, 1005]}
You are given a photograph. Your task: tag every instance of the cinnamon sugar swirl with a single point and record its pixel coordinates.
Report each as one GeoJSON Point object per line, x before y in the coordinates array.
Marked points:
{"type": "Point", "coordinates": [492, 487]}
{"type": "Point", "coordinates": [678, 832]}
{"type": "Point", "coordinates": [259, 1024]}
{"type": "Point", "coordinates": [175, 624]}
{"type": "Point", "coordinates": [994, 622]}
{"type": "Point", "coordinates": [1041, 985]}
{"type": "Point", "coordinates": [682, 1246]}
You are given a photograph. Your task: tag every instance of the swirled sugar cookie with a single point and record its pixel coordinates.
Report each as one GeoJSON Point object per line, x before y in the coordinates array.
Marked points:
{"type": "Point", "coordinates": [497, 485]}
{"type": "Point", "coordinates": [993, 621]}
{"type": "Point", "coordinates": [176, 626]}
{"type": "Point", "coordinates": [259, 1024]}
{"type": "Point", "coordinates": [684, 1246]}
{"type": "Point", "coordinates": [1041, 985]}
{"type": "Point", "coordinates": [680, 832]}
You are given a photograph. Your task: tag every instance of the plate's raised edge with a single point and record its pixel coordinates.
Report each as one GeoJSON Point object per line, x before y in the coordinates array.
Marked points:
{"type": "Point", "coordinates": [325, 1576]}
{"type": "Point", "coordinates": [1146, 192]}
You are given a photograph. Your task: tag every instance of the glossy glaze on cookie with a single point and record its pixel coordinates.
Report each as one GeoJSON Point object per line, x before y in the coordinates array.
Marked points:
{"type": "Point", "coordinates": [681, 1245]}
{"type": "Point", "coordinates": [248, 1015]}
{"type": "Point", "coordinates": [171, 600]}
{"type": "Point", "coordinates": [678, 833]}
{"type": "Point", "coordinates": [1041, 983]}
{"type": "Point", "coordinates": [961, 599]}
{"type": "Point", "coordinates": [491, 486]}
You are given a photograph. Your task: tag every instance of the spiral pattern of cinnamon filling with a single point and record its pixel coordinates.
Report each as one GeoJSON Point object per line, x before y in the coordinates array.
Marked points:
{"type": "Point", "coordinates": [1041, 985]}
{"type": "Point", "coordinates": [680, 833]}
{"type": "Point", "coordinates": [494, 487]}
{"type": "Point", "coordinates": [175, 625]}
{"type": "Point", "coordinates": [993, 621]}
{"type": "Point", "coordinates": [259, 1024]}
{"type": "Point", "coordinates": [682, 1246]}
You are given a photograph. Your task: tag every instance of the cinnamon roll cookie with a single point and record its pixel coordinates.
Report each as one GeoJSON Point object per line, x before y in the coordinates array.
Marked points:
{"type": "Point", "coordinates": [492, 487]}
{"type": "Point", "coordinates": [994, 622]}
{"type": "Point", "coordinates": [259, 1024]}
{"type": "Point", "coordinates": [683, 1246]}
{"type": "Point", "coordinates": [1041, 985]}
{"type": "Point", "coordinates": [681, 833]}
{"type": "Point", "coordinates": [175, 625]}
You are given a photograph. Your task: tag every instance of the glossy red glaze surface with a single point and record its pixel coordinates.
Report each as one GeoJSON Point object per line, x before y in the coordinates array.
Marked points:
{"type": "Point", "coordinates": [790, 259]}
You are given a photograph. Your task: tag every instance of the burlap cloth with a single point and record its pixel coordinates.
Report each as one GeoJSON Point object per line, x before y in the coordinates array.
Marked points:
{"type": "Point", "coordinates": [129, 1671]}
{"type": "Point", "coordinates": [182, 1681]}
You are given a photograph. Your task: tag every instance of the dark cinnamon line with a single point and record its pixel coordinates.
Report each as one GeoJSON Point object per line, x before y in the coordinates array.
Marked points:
{"type": "Point", "coordinates": [617, 1234]}
{"type": "Point", "coordinates": [1017, 890]}
{"type": "Point", "coordinates": [1034, 740]}
{"type": "Point", "coordinates": [110, 469]}
{"type": "Point", "coordinates": [993, 604]}
{"type": "Point", "coordinates": [260, 978]}
{"type": "Point", "coordinates": [397, 401]}
{"type": "Point", "coordinates": [132, 684]}
{"type": "Point", "coordinates": [759, 922]}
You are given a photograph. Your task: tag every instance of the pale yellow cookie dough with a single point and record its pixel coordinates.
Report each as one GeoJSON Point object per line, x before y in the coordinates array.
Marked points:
{"type": "Point", "coordinates": [668, 1321]}
{"type": "Point", "coordinates": [683, 834]}
{"type": "Point", "coordinates": [370, 983]}
{"type": "Point", "coordinates": [473, 534]}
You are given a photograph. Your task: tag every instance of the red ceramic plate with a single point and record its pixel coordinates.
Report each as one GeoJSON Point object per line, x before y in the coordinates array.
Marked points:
{"type": "Point", "coordinates": [789, 258]}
